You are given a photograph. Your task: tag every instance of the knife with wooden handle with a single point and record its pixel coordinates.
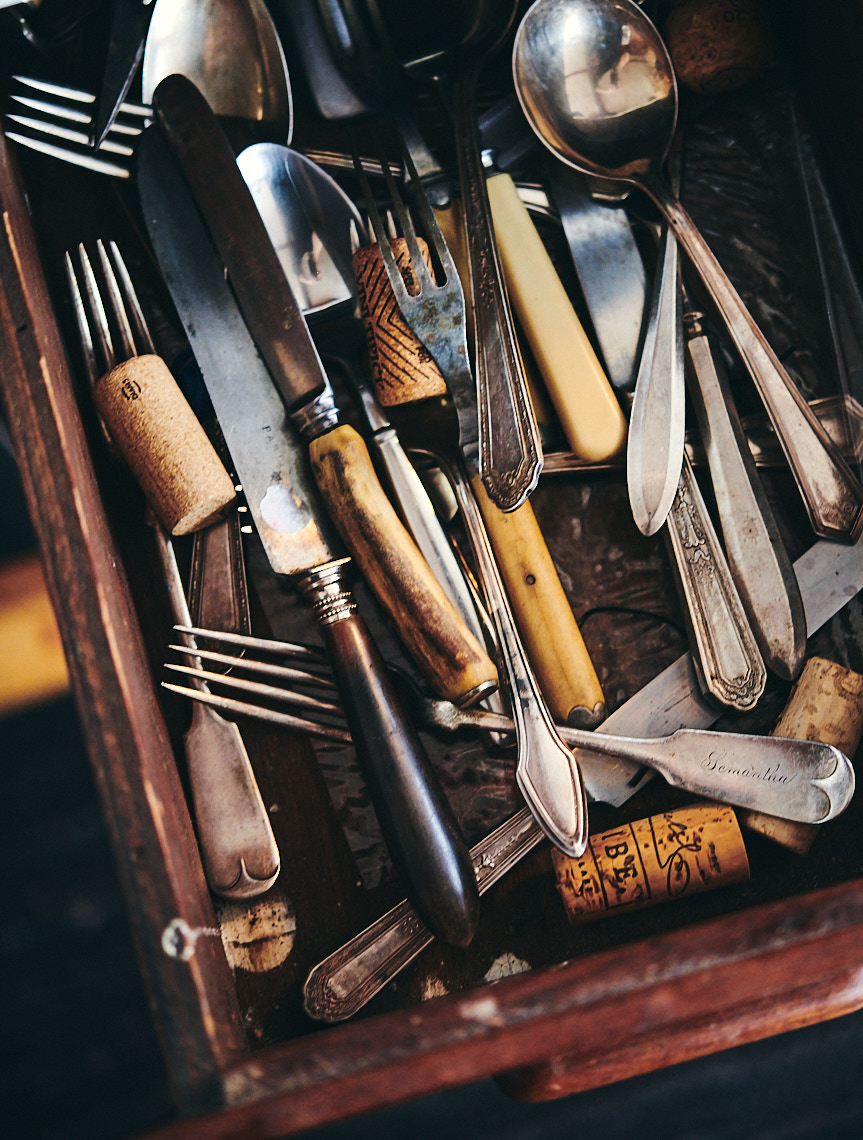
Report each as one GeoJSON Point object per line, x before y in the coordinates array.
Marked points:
{"type": "Point", "coordinates": [432, 630]}
{"type": "Point", "coordinates": [271, 462]}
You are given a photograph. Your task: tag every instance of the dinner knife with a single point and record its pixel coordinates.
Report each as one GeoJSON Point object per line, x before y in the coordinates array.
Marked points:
{"type": "Point", "coordinates": [415, 816]}
{"type": "Point", "coordinates": [434, 633]}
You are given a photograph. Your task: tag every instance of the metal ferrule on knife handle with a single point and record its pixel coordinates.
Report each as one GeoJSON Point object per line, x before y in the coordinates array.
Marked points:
{"type": "Point", "coordinates": [278, 327]}
{"type": "Point", "coordinates": [416, 818]}
{"type": "Point", "coordinates": [295, 532]}
{"type": "Point", "coordinates": [728, 663]}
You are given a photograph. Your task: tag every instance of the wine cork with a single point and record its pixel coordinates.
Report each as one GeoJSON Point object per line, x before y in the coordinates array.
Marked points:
{"type": "Point", "coordinates": [826, 704]}
{"type": "Point", "coordinates": [402, 368]}
{"type": "Point", "coordinates": [717, 46]}
{"type": "Point", "coordinates": [651, 861]}
{"type": "Point", "coordinates": [158, 435]}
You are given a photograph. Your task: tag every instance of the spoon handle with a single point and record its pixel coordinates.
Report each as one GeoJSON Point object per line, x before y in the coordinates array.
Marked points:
{"type": "Point", "coordinates": [832, 494]}
{"type": "Point", "coordinates": [509, 445]}
{"type": "Point", "coordinates": [546, 770]}
{"type": "Point", "coordinates": [728, 663]}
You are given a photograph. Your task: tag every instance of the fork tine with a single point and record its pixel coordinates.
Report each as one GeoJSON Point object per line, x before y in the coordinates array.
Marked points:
{"type": "Point", "coordinates": [242, 708]}
{"type": "Point", "coordinates": [79, 138]}
{"type": "Point", "coordinates": [77, 158]}
{"type": "Point", "coordinates": [93, 296]}
{"type": "Point", "coordinates": [259, 689]}
{"type": "Point", "coordinates": [262, 644]}
{"type": "Point", "coordinates": [134, 311]}
{"type": "Point", "coordinates": [74, 115]}
{"type": "Point", "coordinates": [77, 95]}
{"type": "Point", "coordinates": [116, 303]}
{"type": "Point", "coordinates": [284, 672]}
{"type": "Point", "coordinates": [81, 320]}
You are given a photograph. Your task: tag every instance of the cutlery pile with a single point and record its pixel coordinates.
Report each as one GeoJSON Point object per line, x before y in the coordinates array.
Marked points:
{"type": "Point", "coordinates": [280, 272]}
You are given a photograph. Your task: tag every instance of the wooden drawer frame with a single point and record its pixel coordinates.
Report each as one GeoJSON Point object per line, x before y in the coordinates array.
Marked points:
{"type": "Point", "coordinates": [552, 1031]}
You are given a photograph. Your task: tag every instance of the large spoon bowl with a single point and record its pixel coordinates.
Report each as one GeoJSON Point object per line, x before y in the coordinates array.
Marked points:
{"type": "Point", "coordinates": [597, 86]}
{"type": "Point", "coordinates": [230, 50]}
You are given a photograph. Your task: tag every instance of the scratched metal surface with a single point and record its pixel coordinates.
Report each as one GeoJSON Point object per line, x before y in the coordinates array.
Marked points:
{"type": "Point", "coordinates": [742, 185]}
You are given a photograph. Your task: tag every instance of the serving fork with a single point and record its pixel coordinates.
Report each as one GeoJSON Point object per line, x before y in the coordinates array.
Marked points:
{"type": "Point", "coordinates": [57, 120]}
{"type": "Point", "coordinates": [794, 779]}
{"type": "Point", "coordinates": [238, 850]}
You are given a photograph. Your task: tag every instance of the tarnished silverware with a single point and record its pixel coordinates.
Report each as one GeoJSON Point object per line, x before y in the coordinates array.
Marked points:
{"type": "Point", "coordinates": [795, 779]}
{"type": "Point", "coordinates": [546, 771]}
{"type": "Point", "coordinates": [756, 555]}
{"type": "Point", "coordinates": [729, 665]}
{"type": "Point", "coordinates": [654, 452]}
{"type": "Point", "coordinates": [627, 138]}
{"type": "Point", "coordinates": [238, 850]}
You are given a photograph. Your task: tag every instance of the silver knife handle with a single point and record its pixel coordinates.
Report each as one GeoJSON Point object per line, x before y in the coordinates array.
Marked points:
{"type": "Point", "coordinates": [350, 977]}
{"type": "Point", "coordinates": [415, 816]}
{"type": "Point", "coordinates": [509, 446]}
{"type": "Point", "coordinates": [729, 666]}
{"type": "Point", "coordinates": [756, 554]}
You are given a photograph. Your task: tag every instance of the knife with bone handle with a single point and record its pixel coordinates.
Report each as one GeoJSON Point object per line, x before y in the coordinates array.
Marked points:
{"type": "Point", "coordinates": [434, 633]}
{"type": "Point", "coordinates": [270, 460]}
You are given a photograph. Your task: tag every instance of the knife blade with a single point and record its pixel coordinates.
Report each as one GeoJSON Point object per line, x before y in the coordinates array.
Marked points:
{"type": "Point", "coordinates": [434, 633]}
{"type": "Point", "coordinates": [414, 814]}
{"type": "Point", "coordinates": [129, 22]}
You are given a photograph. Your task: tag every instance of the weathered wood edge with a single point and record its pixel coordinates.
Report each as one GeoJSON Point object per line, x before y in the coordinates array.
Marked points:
{"type": "Point", "coordinates": [610, 1016]}
{"type": "Point", "coordinates": [193, 1001]}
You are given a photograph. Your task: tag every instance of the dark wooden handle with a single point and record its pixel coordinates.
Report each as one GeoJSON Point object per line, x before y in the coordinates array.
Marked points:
{"type": "Point", "coordinates": [455, 664]}
{"type": "Point", "coordinates": [417, 821]}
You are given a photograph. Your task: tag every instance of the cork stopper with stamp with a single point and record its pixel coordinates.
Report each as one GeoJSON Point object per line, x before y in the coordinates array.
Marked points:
{"type": "Point", "coordinates": [402, 368]}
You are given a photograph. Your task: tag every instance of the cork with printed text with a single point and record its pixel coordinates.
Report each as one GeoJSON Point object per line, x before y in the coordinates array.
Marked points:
{"type": "Point", "coordinates": [656, 860]}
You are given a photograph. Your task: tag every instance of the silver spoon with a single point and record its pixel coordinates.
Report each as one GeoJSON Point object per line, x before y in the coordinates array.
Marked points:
{"type": "Point", "coordinates": [230, 50]}
{"type": "Point", "coordinates": [597, 86]}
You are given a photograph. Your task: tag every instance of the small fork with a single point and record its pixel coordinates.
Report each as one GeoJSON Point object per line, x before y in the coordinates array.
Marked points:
{"type": "Point", "coordinates": [238, 850]}
{"type": "Point", "coordinates": [65, 115]}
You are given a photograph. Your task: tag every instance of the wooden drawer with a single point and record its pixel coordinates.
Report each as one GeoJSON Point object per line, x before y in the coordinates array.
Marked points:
{"type": "Point", "coordinates": [570, 1008]}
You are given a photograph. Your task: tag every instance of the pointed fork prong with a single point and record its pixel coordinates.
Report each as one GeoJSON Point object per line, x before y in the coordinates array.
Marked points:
{"type": "Point", "coordinates": [268, 668]}
{"type": "Point", "coordinates": [259, 689]}
{"type": "Point", "coordinates": [273, 716]}
{"type": "Point", "coordinates": [134, 313]}
{"type": "Point", "coordinates": [81, 319]}
{"type": "Point", "coordinates": [308, 653]}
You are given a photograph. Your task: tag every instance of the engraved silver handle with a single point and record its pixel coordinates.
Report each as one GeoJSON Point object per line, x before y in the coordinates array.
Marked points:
{"type": "Point", "coordinates": [510, 453]}
{"type": "Point", "coordinates": [350, 977]}
{"type": "Point", "coordinates": [727, 660]}
{"type": "Point", "coordinates": [547, 773]}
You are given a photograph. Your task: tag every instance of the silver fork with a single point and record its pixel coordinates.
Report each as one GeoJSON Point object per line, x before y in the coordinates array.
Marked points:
{"type": "Point", "coordinates": [787, 778]}
{"type": "Point", "coordinates": [55, 111]}
{"type": "Point", "coordinates": [59, 122]}
{"type": "Point", "coordinates": [238, 850]}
